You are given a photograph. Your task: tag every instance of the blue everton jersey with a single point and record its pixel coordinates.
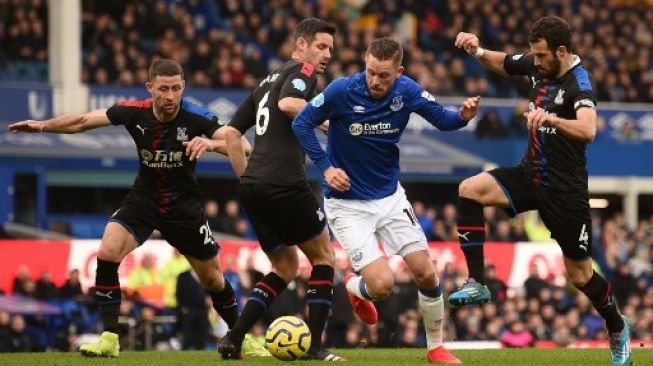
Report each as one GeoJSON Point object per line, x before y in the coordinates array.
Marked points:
{"type": "Point", "coordinates": [363, 131]}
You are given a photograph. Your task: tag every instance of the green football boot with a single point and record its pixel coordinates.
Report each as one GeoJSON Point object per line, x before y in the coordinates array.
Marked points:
{"type": "Point", "coordinates": [107, 346]}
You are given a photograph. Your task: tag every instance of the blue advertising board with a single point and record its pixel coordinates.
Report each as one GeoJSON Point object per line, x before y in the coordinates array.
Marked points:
{"type": "Point", "coordinates": [25, 102]}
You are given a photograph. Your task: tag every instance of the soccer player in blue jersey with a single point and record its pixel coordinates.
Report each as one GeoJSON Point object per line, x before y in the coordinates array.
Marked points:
{"type": "Point", "coordinates": [165, 196]}
{"type": "Point", "coordinates": [552, 176]}
{"type": "Point", "coordinates": [364, 200]}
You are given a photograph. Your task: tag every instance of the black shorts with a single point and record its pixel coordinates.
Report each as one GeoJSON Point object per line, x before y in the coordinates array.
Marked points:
{"type": "Point", "coordinates": [565, 214]}
{"type": "Point", "coordinates": [189, 232]}
{"type": "Point", "coordinates": [282, 215]}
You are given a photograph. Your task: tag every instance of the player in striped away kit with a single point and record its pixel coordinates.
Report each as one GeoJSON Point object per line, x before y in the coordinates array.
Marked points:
{"type": "Point", "coordinates": [364, 200]}
{"type": "Point", "coordinates": [552, 176]}
{"type": "Point", "coordinates": [165, 196]}
{"type": "Point", "coordinates": [275, 192]}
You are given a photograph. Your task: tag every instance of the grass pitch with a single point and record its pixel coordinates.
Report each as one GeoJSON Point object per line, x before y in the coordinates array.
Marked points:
{"type": "Point", "coordinates": [381, 357]}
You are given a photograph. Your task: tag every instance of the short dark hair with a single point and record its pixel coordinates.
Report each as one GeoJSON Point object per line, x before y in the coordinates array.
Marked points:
{"type": "Point", "coordinates": [165, 67]}
{"type": "Point", "coordinates": [385, 49]}
{"type": "Point", "coordinates": [309, 27]}
{"type": "Point", "coordinates": [554, 30]}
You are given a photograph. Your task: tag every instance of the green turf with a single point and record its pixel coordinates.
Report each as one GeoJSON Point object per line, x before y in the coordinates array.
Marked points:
{"type": "Point", "coordinates": [390, 357]}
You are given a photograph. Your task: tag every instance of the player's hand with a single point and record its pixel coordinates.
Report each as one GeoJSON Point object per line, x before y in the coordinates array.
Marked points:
{"type": "Point", "coordinates": [196, 147]}
{"type": "Point", "coordinates": [27, 126]}
{"type": "Point", "coordinates": [324, 127]}
{"type": "Point", "coordinates": [469, 108]}
{"type": "Point", "coordinates": [537, 118]}
{"type": "Point", "coordinates": [468, 42]}
{"type": "Point", "coordinates": [337, 179]}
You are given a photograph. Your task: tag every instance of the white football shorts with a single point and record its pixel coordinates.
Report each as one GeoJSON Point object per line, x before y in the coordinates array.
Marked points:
{"type": "Point", "coordinates": [359, 226]}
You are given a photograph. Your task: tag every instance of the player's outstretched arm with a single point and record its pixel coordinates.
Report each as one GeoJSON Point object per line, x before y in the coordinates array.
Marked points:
{"type": "Point", "coordinates": [73, 123]}
{"type": "Point", "coordinates": [492, 60]}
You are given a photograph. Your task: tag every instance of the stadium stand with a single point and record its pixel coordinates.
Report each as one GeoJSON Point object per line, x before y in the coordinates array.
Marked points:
{"type": "Point", "coordinates": [220, 46]}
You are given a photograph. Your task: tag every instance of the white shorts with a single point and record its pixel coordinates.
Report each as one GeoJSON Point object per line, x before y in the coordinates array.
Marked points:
{"type": "Point", "coordinates": [359, 225]}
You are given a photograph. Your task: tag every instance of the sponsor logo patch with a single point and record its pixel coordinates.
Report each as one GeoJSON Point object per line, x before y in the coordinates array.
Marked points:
{"type": "Point", "coordinates": [181, 134]}
{"type": "Point", "coordinates": [397, 103]}
{"type": "Point", "coordinates": [299, 84]}
{"type": "Point", "coordinates": [318, 100]}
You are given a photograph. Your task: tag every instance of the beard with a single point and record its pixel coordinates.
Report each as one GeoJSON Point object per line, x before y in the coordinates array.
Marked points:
{"type": "Point", "coordinates": [553, 70]}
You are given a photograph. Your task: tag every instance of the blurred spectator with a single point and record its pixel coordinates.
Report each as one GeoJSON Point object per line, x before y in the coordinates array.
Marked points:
{"type": "Point", "coordinates": [502, 232]}
{"type": "Point", "coordinates": [193, 311]}
{"type": "Point", "coordinates": [562, 337]}
{"type": "Point", "coordinates": [45, 288]}
{"type": "Point", "coordinates": [242, 229]}
{"type": "Point", "coordinates": [449, 213]}
{"type": "Point", "coordinates": [426, 222]}
{"type": "Point", "coordinates": [5, 329]}
{"type": "Point", "coordinates": [516, 336]}
{"type": "Point", "coordinates": [623, 283]}
{"type": "Point", "coordinates": [212, 213]}
{"type": "Point", "coordinates": [148, 333]}
{"type": "Point", "coordinates": [145, 281]}
{"type": "Point", "coordinates": [169, 273]}
{"type": "Point", "coordinates": [518, 231]}
{"type": "Point", "coordinates": [497, 287]}
{"type": "Point", "coordinates": [20, 281]}
{"type": "Point", "coordinates": [72, 288]}
{"type": "Point", "coordinates": [229, 218]}
{"type": "Point", "coordinates": [19, 340]}
{"type": "Point", "coordinates": [237, 277]}
{"type": "Point", "coordinates": [517, 122]}
{"type": "Point", "coordinates": [440, 232]}
{"type": "Point", "coordinates": [534, 283]}
{"type": "Point", "coordinates": [29, 288]}
{"type": "Point", "coordinates": [409, 333]}
{"type": "Point", "coordinates": [640, 264]}
{"type": "Point", "coordinates": [490, 125]}
{"type": "Point", "coordinates": [535, 228]}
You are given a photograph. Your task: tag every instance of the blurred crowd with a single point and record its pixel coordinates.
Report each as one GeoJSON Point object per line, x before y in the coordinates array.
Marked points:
{"type": "Point", "coordinates": [165, 308]}
{"type": "Point", "coordinates": [232, 43]}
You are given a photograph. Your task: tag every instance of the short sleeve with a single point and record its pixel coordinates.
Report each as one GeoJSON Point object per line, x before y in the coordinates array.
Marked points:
{"type": "Point", "coordinates": [209, 122]}
{"type": "Point", "coordinates": [119, 114]}
{"type": "Point", "coordinates": [300, 83]}
{"type": "Point", "coordinates": [245, 116]}
{"type": "Point", "coordinates": [519, 64]}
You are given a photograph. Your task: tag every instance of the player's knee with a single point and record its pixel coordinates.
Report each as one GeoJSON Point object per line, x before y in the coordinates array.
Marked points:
{"type": "Point", "coordinates": [579, 277]}
{"type": "Point", "coordinates": [109, 253]}
{"type": "Point", "coordinates": [466, 189]}
{"type": "Point", "coordinates": [380, 287]}
{"type": "Point", "coordinates": [425, 279]}
{"type": "Point", "coordinates": [285, 262]}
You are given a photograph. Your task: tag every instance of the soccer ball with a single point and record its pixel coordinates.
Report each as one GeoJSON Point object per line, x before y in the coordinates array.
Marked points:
{"type": "Point", "coordinates": [288, 338]}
